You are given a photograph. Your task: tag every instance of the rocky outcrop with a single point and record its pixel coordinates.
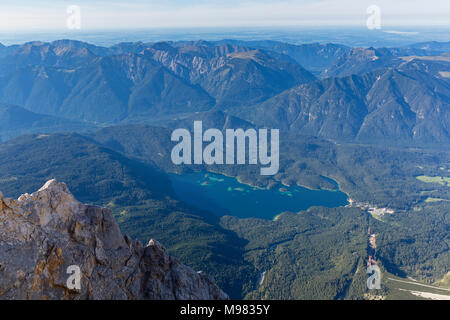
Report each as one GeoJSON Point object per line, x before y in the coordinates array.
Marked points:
{"type": "Point", "coordinates": [48, 238]}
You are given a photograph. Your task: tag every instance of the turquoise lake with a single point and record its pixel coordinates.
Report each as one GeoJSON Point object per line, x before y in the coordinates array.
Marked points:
{"type": "Point", "coordinates": [223, 195]}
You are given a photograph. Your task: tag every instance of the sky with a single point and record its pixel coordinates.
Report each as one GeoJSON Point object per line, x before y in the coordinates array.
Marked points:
{"type": "Point", "coordinates": [33, 15]}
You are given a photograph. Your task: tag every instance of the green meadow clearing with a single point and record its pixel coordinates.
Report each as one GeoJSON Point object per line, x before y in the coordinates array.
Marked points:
{"type": "Point", "coordinates": [441, 180]}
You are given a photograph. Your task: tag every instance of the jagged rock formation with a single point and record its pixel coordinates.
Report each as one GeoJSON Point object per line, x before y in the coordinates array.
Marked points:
{"type": "Point", "coordinates": [44, 233]}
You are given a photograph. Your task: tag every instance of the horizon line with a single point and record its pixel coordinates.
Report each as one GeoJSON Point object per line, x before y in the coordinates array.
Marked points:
{"type": "Point", "coordinates": [303, 26]}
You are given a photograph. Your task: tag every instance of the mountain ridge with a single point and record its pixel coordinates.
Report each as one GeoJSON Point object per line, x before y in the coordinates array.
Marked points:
{"type": "Point", "coordinates": [400, 105]}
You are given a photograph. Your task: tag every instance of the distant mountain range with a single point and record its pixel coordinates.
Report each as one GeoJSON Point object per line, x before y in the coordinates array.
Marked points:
{"type": "Point", "coordinates": [332, 91]}
{"type": "Point", "coordinates": [16, 121]}
{"type": "Point", "coordinates": [119, 267]}
{"type": "Point", "coordinates": [100, 119]}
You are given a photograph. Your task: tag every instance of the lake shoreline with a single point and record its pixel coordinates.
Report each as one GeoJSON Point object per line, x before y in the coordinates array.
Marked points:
{"type": "Point", "coordinates": [222, 195]}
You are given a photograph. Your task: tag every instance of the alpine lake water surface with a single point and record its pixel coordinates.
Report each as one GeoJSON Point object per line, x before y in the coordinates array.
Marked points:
{"type": "Point", "coordinates": [223, 195]}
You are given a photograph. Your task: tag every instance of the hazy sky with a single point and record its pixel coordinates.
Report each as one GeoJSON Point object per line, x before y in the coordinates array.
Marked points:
{"type": "Point", "coordinates": [100, 14]}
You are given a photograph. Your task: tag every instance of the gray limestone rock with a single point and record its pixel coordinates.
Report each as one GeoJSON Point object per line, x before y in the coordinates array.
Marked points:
{"type": "Point", "coordinates": [43, 234]}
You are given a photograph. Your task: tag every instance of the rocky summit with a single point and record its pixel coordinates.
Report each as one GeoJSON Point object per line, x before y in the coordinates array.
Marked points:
{"type": "Point", "coordinates": [48, 234]}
